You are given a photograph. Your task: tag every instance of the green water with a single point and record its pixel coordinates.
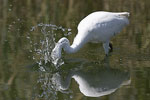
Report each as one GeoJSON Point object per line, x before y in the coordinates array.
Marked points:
{"type": "Point", "coordinates": [29, 30]}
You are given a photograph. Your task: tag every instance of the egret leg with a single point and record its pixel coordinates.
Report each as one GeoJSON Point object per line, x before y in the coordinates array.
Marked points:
{"type": "Point", "coordinates": [106, 47]}
{"type": "Point", "coordinates": [110, 47]}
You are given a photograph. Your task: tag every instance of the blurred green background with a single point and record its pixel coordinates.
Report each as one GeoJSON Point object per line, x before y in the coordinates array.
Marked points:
{"type": "Point", "coordinates": [17, 17]}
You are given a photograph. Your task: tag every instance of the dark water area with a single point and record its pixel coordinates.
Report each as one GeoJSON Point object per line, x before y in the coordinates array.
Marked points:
{"type": "Point", "coordinates": [29, 30]}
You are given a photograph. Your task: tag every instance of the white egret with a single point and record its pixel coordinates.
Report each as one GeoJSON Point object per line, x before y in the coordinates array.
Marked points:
{"type": "Point", "coordinates": [97, 27]}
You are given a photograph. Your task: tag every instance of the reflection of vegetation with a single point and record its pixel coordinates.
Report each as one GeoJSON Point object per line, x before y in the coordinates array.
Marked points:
{"type": "Point", "coordinates": [17, 16]}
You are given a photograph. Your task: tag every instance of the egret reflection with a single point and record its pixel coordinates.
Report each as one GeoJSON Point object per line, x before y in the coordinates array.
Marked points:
{"type": "Point", "coordinates": [95, 81]}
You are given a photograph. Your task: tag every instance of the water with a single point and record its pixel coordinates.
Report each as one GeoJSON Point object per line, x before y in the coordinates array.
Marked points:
{"type": "Point", "coordinates": [30, 29]}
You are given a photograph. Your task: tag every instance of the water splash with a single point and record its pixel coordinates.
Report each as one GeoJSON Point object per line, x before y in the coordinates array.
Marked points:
{"type": "Point", "coordinates": [42, 40]}
{"type": "Point", "coordinates": [48, 89]}
{"type": "Point", "coordinates": [42, 48]}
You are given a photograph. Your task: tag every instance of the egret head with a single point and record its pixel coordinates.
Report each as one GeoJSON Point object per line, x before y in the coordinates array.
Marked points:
{"type": "Point", "coordinates": [56, 52]}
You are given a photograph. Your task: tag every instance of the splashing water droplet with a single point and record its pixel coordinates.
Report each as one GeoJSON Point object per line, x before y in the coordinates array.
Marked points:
{"type": "Point", "coordinates": [69, 29]}
{"type": "Point", "coordinates": [46, 42]}
{"type": "Point", "coordinates": [69, 33]}
{"type": "Point", "coordinates": [9, 9]}
{"type": "Point", "coordinates": [32, 29]}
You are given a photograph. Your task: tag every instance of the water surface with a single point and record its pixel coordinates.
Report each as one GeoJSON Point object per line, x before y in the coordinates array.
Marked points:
{"type": "Point", "coordinates": [29, 30]}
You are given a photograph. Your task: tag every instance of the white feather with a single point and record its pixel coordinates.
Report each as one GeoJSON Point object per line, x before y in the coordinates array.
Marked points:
{"type": "Point", "coordinates": [99, 26]}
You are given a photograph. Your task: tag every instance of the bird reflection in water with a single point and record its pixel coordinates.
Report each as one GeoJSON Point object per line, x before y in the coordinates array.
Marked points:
{"type": "Point", "coordinates": [93, 80]}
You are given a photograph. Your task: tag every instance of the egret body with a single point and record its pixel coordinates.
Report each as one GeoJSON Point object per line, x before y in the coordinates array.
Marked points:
{"type": "Point", "coordinates": [97, 27]}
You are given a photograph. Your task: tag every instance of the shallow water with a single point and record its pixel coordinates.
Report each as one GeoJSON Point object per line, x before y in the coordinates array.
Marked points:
{"type": "Point", "coordinates": [30, 29]}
